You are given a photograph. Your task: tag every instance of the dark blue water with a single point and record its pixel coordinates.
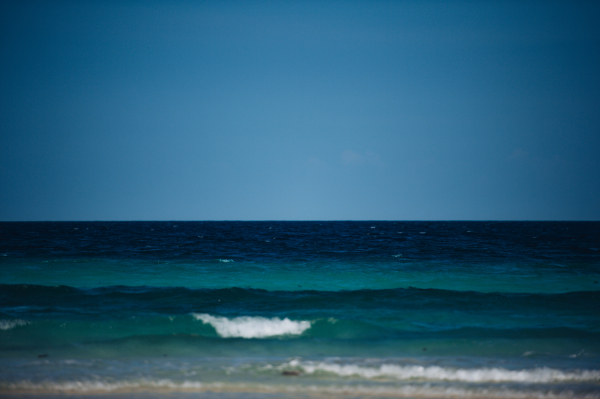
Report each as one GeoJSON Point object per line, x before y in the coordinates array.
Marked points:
{"type": "Point", "coordinates": [386, 308]}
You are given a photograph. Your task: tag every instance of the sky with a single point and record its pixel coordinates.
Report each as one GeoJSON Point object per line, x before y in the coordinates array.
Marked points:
{"type": "Point", "coordinates": [305, 110]}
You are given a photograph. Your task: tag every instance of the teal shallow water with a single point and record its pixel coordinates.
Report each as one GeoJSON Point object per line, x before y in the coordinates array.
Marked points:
{"type": "Point", "coordinates": [384, 273]}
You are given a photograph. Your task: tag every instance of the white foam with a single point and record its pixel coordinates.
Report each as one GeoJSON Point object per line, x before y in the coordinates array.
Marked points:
{"type": "Point", "coordinates": [225, 260]}
{"type": "Point", "coordinates": [102, 386]}
{"type": "Point", "coordinates": [8, 324]}
{"type": "Point", "coordinates": [436, 373]}
{"type": "Point", "coordinates": [253, 327]}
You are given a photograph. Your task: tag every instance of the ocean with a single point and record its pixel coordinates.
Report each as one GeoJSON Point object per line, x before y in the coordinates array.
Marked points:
{"type": "Point", "coordinates": [300, 309]}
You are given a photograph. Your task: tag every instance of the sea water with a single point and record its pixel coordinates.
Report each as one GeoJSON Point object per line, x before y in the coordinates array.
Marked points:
{"type": "Point", "coordinates": [300, 309]}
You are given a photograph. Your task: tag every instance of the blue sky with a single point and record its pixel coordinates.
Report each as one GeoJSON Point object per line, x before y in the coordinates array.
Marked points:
{"type": "Point", "coordinates": [315, 110]}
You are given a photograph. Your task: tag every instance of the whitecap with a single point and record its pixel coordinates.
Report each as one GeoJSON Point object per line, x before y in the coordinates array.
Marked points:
{"type": "Point", "coordinates": [9, 324]}
{"type": "Point", "coordinates": [225, 260]}
{"type": "Point", "coordinates": [253, 327]}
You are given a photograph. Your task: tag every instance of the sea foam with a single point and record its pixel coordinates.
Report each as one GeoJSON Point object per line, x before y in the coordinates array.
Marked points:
{"type": "Point", "coordinates": [9, 324]}
{"type": "Point", "coordinates": [405, 391]}
{"type": "Point", "coordinates": [253, 327]}
{"type": "Point", "coordinates": [436, 373]}
{"type": "Point", "coordinates": [101, 386]}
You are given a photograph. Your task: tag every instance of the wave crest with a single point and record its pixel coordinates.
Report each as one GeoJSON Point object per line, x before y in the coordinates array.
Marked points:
{"type": "Point", "coordinates": [253, 327]}
{"type": "Point", "coordinates": [9, 324]}
{"type": "Point", "coordinates": [436, 373]}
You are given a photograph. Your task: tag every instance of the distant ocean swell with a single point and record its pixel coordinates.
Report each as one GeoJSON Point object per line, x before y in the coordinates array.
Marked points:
{"type": "Point", "coordinates": [169, 299]}
{"type": "Point", "coordinates": [547, 257]}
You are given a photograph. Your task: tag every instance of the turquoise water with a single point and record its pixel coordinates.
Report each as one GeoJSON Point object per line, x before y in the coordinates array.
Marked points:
{"type": "Point", "coordinates": [297, 276]}
{"type": "Point", "coordinates": [401, 309]}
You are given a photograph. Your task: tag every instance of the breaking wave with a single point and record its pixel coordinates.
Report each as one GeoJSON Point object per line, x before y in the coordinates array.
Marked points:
{"type": "Point", "coordinates": [437, 373]}
{"type": "Point", "coordinates": [253, 327]}
{"type": "Point", "coordinates": [10, 324]}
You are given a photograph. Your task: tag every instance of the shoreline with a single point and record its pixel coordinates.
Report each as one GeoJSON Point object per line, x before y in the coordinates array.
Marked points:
{"type": "Point", "coordinates": [243, 391]}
